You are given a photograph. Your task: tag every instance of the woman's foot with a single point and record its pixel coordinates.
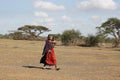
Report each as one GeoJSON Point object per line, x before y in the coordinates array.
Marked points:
{"type": "Point", "coordinates": [43, 68]}
{"type": "Point", "coordinates": [57, 69]}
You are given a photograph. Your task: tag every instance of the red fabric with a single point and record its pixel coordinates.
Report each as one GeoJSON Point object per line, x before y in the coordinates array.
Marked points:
{"type": "Point", "coordinates": [50, 58]}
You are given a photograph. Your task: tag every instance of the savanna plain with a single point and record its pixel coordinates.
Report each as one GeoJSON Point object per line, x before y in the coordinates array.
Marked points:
{"type": "Point", "coordinates": [19, 60]}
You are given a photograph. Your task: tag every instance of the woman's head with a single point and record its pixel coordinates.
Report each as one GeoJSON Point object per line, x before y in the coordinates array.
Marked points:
{"type": "Point", "coordinates": [50, 37]}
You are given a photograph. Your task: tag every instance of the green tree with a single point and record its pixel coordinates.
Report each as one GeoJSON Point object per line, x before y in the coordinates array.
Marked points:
{"type": "Point", "coordinates": [71, 37]}
{"type": "Point", "coordinates": [33, 30]}
{"type": "Point", "coordinates": [111, 27]}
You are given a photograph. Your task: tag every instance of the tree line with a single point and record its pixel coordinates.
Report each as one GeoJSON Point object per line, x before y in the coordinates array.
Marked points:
{"type": "Point", "coordinates": [111, 27]}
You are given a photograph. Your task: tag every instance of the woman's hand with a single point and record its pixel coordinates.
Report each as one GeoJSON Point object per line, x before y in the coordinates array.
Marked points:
{"type": "Point", "coordinates": [49, 51]}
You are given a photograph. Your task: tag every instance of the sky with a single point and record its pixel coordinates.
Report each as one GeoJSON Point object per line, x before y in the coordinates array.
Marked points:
{"type": "Point", "coordinates": [57, 15]}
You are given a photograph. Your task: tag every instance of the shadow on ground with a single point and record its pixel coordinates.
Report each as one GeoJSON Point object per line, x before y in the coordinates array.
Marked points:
{"type": "Point", "coordinates": [36, 67]}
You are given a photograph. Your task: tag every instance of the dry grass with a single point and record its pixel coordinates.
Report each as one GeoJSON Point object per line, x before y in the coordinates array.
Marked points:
{"type": "Point", "coordinates": [19, 60]}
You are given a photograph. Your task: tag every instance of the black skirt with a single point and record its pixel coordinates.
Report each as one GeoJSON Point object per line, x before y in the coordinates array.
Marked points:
{"type": "Point", "coordinates": [43, 59]}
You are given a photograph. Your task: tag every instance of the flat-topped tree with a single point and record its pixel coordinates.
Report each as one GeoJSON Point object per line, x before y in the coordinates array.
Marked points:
{"type": "Point", "coordinates": [111, 27]}
{"type": "Point", "coordinates": [33, 30]}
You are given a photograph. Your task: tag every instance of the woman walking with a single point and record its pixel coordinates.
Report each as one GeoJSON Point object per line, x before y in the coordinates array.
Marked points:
{"type": "Point", "coordinates": [48, 58]}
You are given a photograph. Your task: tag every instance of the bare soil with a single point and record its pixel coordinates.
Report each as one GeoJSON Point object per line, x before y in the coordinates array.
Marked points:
{"type": "Point", "coordinates": [19, 60]}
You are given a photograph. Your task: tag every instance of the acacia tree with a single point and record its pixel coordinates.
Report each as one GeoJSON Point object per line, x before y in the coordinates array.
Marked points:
{"type": "Point", "coordinates": [33, 30]}
{"type": "Point", "coordinates": [111, 27]}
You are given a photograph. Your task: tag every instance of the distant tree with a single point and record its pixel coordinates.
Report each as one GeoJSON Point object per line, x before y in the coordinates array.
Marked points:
{"type": "Point", "coordinates": [109, 40]}
{"type": "Point", "coordinates": [92, 40]}
{"type": "Point", "coordinates": [71, 37]}
{"type": "Point", "coordinates": [4, 36]}
{"type": "Point", "coordinates": [56, 36]}
{"type": "Point", "coordinates": [101, 37]}
{"type": "Point", "coordinates": [1, 36]}
{"type": "Point", "coordinates": [111, 27]}
{"type": "Point", "coordinates": [33, 30]}
{"type": "Point", "coordinates": [18, 36]}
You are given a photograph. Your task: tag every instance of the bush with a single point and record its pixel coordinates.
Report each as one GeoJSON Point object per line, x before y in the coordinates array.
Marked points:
{"type": "Point", "coordinates": [18, 36]}
{"type": "Point", "coordinates": [92, 40]}
{"type": "Point", "coordinates": [6, 36]}
{"type": "Point", "coordinates": [70, 37]}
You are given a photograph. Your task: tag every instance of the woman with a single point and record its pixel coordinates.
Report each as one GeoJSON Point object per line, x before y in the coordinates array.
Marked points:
{"type": "Point", "coordinates": [48, 57]}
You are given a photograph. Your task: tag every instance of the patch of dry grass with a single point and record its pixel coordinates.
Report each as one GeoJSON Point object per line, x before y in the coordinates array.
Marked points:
{"type": "Point", "coordinates": [19, 60]}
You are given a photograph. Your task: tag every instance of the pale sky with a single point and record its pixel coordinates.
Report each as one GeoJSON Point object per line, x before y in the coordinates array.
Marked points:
{"type": "Point", "coordinates": [57, 15]}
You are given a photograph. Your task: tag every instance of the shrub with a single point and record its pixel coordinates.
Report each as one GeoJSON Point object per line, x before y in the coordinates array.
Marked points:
{"type": "Point", "coordinates": [92, 40]}
{"type": "Point", "coordinates": [70, 37]}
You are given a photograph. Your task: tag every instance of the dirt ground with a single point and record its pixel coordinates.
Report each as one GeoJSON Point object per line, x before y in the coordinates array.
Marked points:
{"type": "Point", "coordinates": [19, 60]}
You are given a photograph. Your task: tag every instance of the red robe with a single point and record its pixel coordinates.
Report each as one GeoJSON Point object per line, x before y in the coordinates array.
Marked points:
{"type": "Point", "coordinates": [50, 58]}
